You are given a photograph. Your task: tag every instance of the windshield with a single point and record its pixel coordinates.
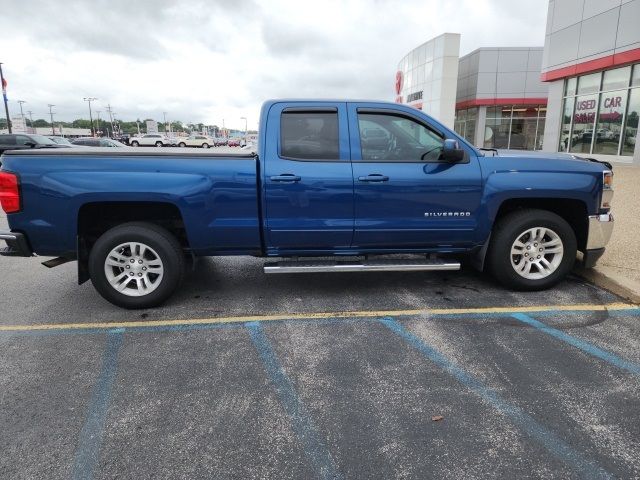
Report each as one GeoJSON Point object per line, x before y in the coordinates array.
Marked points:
{"type": "Point", "coordinates": [42, 140]}
{"type": "Point", "coordinates": [60, 140]}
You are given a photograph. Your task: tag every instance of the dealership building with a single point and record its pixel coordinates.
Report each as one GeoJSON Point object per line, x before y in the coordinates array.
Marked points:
{"type": "Point", "coordinates": [580, 93]}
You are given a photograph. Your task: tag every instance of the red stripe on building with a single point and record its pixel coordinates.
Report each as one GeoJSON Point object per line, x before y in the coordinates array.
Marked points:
{"type": "Point", "coordinates": [485, 102]}
{"type": "Point", "coordinates": [616, 60]}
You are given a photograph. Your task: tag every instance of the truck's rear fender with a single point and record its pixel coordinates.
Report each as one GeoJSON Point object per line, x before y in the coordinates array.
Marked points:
{"type": "Point", "coordinates": [218, 210]}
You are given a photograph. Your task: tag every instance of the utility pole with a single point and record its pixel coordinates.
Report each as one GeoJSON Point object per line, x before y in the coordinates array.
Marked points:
{"type": "Point", "coordinates": [4, 96]}
{"type": "Point", "coordinates": [89, 100]}
{"type": "Point", "coordinates": [224, 130]}
{"type": "Point", "coordinates": [164, 115]}
{"type": "Point", "coordinates": [50, 105]}
{"type": "Point", "coordinates": [110, 117]}
{"type": "Point", "coordinates": [98, 121]}
{"type": "Point", "coordinates": [21, 113]}
{"type": "Point", "coordinates": [31, 119]}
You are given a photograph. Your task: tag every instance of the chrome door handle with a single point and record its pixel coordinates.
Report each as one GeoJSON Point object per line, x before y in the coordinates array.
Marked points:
{"type": "Point", "coordinates": [285, 177]}
{"type": "Point", "coordinates": [374, 177]}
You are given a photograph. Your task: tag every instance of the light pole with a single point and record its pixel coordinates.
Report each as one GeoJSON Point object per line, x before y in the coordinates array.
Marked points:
{"type": "Point", "coordinates": [245, 129]}
{"type": "Point", "coordinates": [51, 105]}
{"type": "Point", "coordinates": [33, 129]}
{"type": "Point", "coordinates": [89, 100]}
{"type": "Point", "coordinates": [4, 96]}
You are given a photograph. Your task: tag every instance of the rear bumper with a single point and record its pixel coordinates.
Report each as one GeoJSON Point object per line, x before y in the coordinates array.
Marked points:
{"type": "Point", "coordinates": [17, 245]}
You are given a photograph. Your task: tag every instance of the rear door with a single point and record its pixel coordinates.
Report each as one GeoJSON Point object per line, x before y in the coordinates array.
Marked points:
{"type": "Point", "coordinates": [307, 178]}
{"type": "Point", "coordinates": [405, 196]}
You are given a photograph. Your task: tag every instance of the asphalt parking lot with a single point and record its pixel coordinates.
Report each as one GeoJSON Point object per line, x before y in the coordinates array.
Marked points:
{"type": "Point", "coordinates": [403, 375]}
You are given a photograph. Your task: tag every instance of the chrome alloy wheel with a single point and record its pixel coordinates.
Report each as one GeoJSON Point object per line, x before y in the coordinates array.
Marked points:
{"type": "Point", "coordinates": [536, 253]}
{"type": "Point", "coordinates": [134, 269]}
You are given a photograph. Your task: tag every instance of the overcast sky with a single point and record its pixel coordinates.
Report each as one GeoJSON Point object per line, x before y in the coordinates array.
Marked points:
{"type": "Point", "coordinates": [204, 61]}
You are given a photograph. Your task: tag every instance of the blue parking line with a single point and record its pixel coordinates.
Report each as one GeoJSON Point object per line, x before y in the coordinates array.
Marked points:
{"type": "Point", "coordinates": [586, 468]}
{"type": "Point", "coordinates": [303, 426]}
{"type": "Point", "coordinates": [580, 344]}
{"type": "Point", "coordinates": [88, 448]}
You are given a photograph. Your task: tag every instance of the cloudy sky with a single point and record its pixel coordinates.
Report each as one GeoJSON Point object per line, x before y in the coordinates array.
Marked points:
{"type": "Point", "coordinates": [203, 61]}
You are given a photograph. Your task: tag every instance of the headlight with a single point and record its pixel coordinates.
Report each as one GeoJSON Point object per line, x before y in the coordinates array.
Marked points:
{"type": "Point", "coordinates": [607, 189]}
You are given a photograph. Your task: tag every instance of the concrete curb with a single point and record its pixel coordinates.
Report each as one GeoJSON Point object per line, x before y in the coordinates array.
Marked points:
{"type": "Point", "coordinates": [611, 281]}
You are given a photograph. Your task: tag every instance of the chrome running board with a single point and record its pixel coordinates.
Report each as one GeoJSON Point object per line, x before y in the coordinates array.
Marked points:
{"type": "Point", "coordinates": [314, 266]}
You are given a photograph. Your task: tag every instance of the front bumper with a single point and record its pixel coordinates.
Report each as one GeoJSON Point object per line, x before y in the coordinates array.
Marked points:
{"type": "Point", "coordinates": [17, 245]}
{"type": "Point", "coordinates": [600, 229]}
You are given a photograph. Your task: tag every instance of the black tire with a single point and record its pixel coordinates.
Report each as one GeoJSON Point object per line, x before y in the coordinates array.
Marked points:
{"type": "Point", "coordinates": [160, 240]}
{"type": "Point", "coordinates": [508, 229]}
{"type": "Point", "coordinates": [182, 144]}
{"type": "Point", "coordinates": [135, 144]}
{"type": "Point", "coordinates": [205, 145]}
{"type": "Point", "coordinates": [158, 144]}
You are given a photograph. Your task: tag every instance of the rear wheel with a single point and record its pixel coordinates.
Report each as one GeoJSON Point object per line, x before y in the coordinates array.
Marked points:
{"type": "Point", "coordinates": [531, 250]}
{"type": "Point", "coordinates": [158, 144]}
{"type": "Point", "coordinates": [136, 265]}
{"type": "Point", "coordinates": [135, 144]}
{"type": "Point", "coordinates": [205, 145]}
{"type": "Point", "coordinates": [182, 144]}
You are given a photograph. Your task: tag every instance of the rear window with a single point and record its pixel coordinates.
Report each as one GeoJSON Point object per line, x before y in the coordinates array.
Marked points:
{"type": "Point", "coordinates": [309, 135]}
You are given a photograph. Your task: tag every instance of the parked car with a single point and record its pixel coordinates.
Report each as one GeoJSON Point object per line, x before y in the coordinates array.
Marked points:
{"type": "Point", "coordinates": [196, 141]}
{"type": "Point", "coordinates": [130, 218]}
{"type": "Point", "coordinates": [98, 142]}
{"type": "Point", "coordinates": [220, 142]}
{"type": "Point", "coordinates": [21, 141]}
{"type": "Point", "coordinates": [233, 142]}
{"type": "Point", "coordinates": [151, 140]}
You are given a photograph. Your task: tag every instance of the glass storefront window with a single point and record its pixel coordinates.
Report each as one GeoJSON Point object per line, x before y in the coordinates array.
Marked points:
{"type": "Point", "coordinates": [465, 124]}
{"type": "Point", "coordinates": [635, 76]}
{"type": "Point", "coordinates": [515, 127]}
{"type": "Point", "coordinates": [584, 119]}
{"type": "Point", "coordinates": [565, 136]}
{"type": "Point", "coordinates": [630, 132]}
{"type": "Point", "coordinates": [614, 79]}
{"type": "Point", "coordinates": [496, 134]}
{"type": "Point", "coordinates": [589, 83]}
{"type": "Point", "coordinates": [597, 117]}
{"type": "Point", "coordinates": [609, 126]}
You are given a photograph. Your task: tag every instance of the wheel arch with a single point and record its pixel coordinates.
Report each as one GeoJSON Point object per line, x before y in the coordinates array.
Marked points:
{"type": "Point", "coordinates": [95, 218]}
{"type": "Point", "coordinates": [573, 211]}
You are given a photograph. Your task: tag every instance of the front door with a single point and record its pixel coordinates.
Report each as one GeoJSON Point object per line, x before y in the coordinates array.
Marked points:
{"type": "Point", "coordinates": [307, 179]}
{"type": "Point", "coordinates": [406, 197]}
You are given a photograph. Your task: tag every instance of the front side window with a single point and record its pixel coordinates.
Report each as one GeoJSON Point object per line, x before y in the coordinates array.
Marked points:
{"type": "Point", "coordinates": [22, 140]}
{"type": "Point", "coordinates": [309, 135]}
{"type": "Point", "coordinates": [392, 138]}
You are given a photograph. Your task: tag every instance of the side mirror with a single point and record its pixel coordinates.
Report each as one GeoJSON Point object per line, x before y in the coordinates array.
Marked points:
{"type": "Point", "coordinates": [451, 151]}
{"type": "Point", "coordinates": [30, 144]}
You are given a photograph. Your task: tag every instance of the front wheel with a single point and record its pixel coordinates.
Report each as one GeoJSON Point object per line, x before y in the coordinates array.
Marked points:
{"type": "Point", "coordinates": [136, 265]}
{"type": "Point", "coordinates": [135, 144]}
{"type": "Point", "coordinates": [158, 144]}
{"type": "Point", "coordinates": [205, 145]}
{"type": "Point", "coordinates": [531, 250]}
{"type": "Point", "coordinates": [182, 144]}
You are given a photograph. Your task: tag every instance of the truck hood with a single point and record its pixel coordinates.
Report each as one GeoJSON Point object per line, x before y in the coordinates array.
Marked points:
{"type": "Point", "coordinates": [546, 160]}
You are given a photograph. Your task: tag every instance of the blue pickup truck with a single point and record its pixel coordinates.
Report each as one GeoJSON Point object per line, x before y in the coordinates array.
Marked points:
{"type": "Point", "coordinates": [336, 186]}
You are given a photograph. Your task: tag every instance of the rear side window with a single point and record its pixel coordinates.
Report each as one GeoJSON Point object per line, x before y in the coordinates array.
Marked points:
{"type": "Point", "coordinates": [309, 135]}
{"type": "Point", "coordinates": [7, 139]}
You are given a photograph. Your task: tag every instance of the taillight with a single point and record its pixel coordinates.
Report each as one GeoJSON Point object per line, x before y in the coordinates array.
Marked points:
{"type": "Point", "coordinates": [9, 192]}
